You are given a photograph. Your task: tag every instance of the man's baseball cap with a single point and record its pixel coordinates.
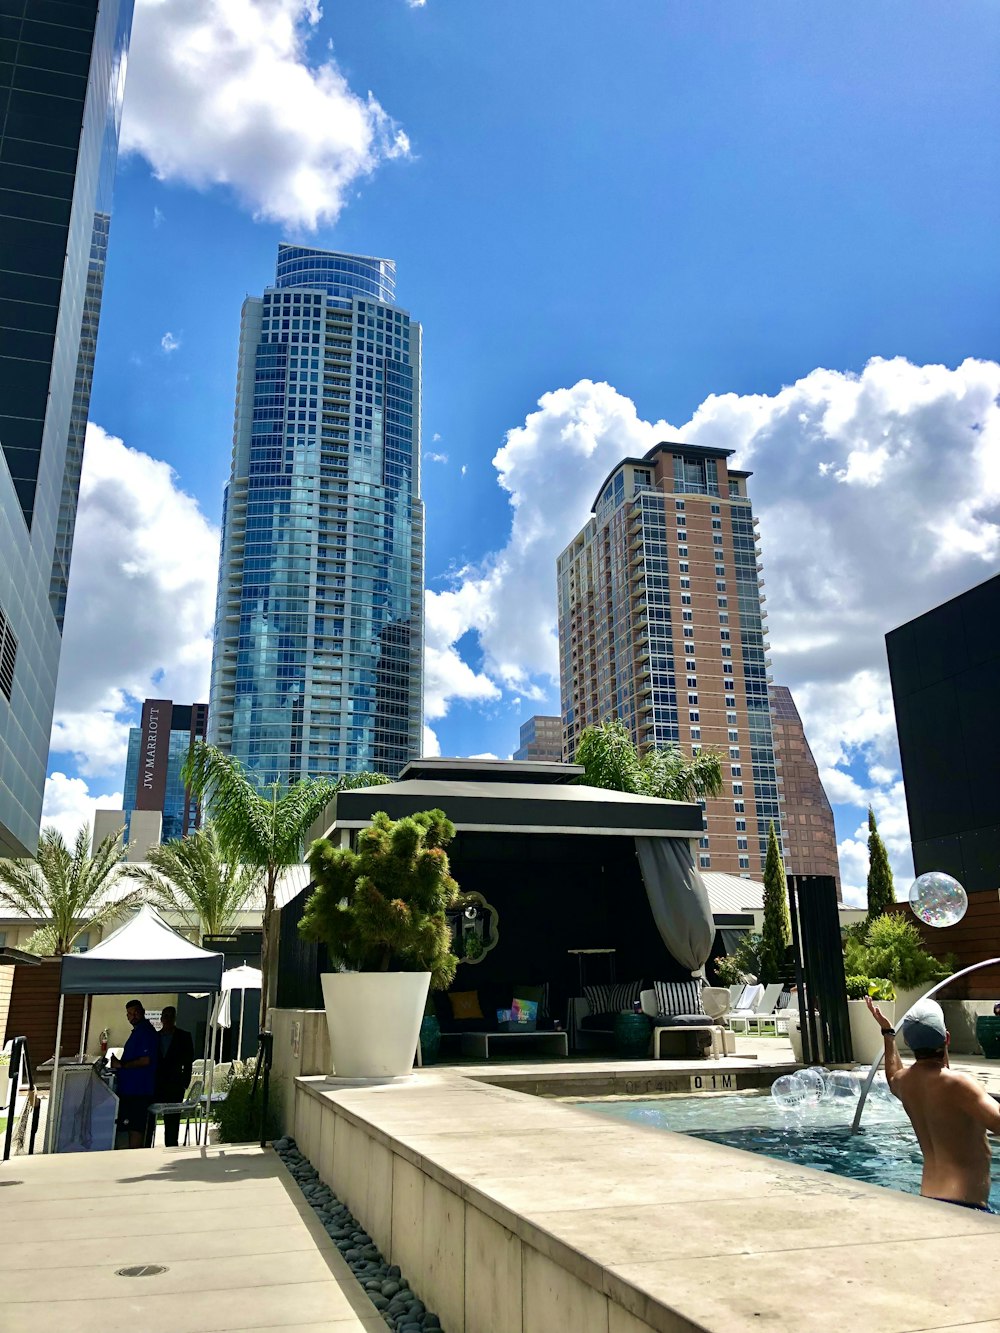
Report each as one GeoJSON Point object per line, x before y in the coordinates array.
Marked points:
{"type": "Point", "coordinates": [924, 1027]}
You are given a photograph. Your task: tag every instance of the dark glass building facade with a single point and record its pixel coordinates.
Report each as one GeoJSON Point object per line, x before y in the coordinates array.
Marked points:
{"type": "Point", "coordinates": [156, 753]}
{"type": "Point", "coordinates": [945, 671]}
{"type": "Point", "coordinates": [317, 667]}
{"type": "Point", "coordinates": [62, 72]}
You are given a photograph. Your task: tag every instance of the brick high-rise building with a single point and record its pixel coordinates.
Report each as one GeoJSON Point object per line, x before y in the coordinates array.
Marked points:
{"type": "Point", "coordinates": [660, 625]}
{"type": "Point", "coordinates": [809, 839]}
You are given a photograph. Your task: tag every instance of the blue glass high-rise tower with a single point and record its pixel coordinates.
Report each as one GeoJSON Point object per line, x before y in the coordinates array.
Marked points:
{"type": "Point", "coordinates": [317, 667]}
{"type": "Point", "coordinates": [62, 75]}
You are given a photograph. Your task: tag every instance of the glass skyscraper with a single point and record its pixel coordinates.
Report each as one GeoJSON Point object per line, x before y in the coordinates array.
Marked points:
{"type": "Point", "coordinates": [317, 667]}
{"type": "Point", "coordinates": [62, 75]}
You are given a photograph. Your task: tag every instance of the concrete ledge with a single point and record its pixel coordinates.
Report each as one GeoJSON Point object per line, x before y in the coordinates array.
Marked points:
{"type": "Point", "coordinates": [513, 1214]}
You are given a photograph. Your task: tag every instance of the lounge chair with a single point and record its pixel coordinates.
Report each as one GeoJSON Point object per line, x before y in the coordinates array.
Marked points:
{"type": "Point", "coordinates": [763, 1014]}
{"type": "Point", "coordinates": [686, 1008]}
{"type": "Point", "coordinates": [746, 1007]}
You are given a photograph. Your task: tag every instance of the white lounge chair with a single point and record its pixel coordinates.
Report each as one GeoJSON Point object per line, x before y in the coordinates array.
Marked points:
{"type": "Point", "coordinates": [766, 1012]}
{"type": "Point", "coordinates": [745, 1008]}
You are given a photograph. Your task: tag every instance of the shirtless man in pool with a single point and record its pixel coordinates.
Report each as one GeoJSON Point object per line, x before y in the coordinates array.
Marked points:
{"type": "Point", "coordinates": [950, 1112]}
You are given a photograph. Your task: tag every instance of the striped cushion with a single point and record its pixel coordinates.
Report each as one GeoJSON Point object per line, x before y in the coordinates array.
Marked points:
{"type": "Point", "coordinates": [678, 997]}
{"type": "Point", "coordinates": [613, 998]}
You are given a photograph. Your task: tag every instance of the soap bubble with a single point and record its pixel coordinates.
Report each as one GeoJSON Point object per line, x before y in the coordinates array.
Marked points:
{"type": "Point", "coordinates": [789, 1092]}
{"type": "Point", "coordinates": [880, 1090]}
{"type": "Point", "coordinates": [937, 899]}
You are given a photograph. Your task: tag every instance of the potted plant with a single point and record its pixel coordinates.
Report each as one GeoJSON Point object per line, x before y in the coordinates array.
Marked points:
{"type": "Point", "coordinates": [380, 911]}
{"type": "Point", "coordinates": [890, 946]}
{"type": "Point", "coordinates": [866, 1040]}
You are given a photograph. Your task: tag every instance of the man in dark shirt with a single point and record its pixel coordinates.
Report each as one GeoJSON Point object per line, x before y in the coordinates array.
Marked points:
{"type": "Point", "coordinates": [136, 1070]}
{"type": "Point", "coordinates": [173, 1073]}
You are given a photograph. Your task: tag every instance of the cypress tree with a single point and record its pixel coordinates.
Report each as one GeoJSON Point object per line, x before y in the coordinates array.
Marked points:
{"type": "Point", "coordinates": [881, 892]}
{"type": "Point", "coordinates": [776, 931]}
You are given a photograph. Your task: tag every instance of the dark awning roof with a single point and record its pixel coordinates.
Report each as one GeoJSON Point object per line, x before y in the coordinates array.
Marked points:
{"type": "Point", "coordinates": [521, 807]}
{"type": "Point", "coordinates": [443, 769]}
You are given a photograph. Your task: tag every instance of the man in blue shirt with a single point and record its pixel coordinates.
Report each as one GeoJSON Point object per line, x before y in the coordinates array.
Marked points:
{"type": "Point", "coordinates": [136, 1072]}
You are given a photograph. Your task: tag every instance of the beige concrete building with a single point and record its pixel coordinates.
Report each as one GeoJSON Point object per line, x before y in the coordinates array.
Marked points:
{"type": "Point", "coordinates": [809, 839]}
{"type": "Point", "coordinates": [661, 625]}
{"type": "Point", "coordinates": [541, 740]}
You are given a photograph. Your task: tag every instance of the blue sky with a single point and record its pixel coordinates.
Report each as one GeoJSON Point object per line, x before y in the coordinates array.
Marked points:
{"type": "Point", "coordinates": [679, 201]}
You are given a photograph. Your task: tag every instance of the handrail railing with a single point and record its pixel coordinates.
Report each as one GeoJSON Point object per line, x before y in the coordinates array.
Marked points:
{"type": "Point", "coordinates": [265, 1056]}
{"type": "Point", "coordinates": [19, 1055]}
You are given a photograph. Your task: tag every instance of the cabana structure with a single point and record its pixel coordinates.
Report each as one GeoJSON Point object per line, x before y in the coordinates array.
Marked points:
{"type": "Point", "coordinates": [569, 877]}
{"type": "Point", "coordinates": [142, 956]}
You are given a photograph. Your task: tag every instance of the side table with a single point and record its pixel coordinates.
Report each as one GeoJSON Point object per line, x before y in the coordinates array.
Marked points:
{"type": "Point", "coordinates": [632, 1036]}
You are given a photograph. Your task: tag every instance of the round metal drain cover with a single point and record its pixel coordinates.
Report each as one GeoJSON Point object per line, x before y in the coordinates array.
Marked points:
{"type": "Point", "coordinates": [141, 1270]}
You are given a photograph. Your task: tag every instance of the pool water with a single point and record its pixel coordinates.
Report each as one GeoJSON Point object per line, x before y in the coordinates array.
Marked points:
{"type": "Point", "coordinates": [884, 1153]}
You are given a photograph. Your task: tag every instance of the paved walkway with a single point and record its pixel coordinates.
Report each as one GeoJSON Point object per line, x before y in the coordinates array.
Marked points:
{"type": "Point", "coordinates": [240, 1248]}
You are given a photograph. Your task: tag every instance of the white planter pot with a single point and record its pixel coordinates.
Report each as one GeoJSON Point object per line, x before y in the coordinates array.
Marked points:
{"type": "Point", "coordinates": [866, 1040]}
{"type": "Point", "coordinates": [374, 1021]}
{"type": "Point", "coordinates": [795, 1037]}
{"type": "Point", "coordinates": [906, 999]}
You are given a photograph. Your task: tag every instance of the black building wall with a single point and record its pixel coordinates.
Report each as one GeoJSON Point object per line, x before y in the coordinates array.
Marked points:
{"type": "Point", "coordinates": [945, 672]}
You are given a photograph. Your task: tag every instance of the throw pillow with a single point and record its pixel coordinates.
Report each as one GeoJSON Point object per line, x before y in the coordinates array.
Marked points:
{"type": "Point", "coordinates": [612, 998]}
{"type": "Point", "coordinates": [465, 1004]}
{"type": "Point", "coordinates": [678, 997]}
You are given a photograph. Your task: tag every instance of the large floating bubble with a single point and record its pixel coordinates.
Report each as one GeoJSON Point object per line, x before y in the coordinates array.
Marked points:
{"type": "Point", "coordinates": [813, 1084]}
{"type": "Point", "coordinates": [789, 1092]}
{"type": "Point", "coordinates": [880, 1090]}
{"type": "Point", "coordinates": [937, 899]}
{"type": "Point", "coordinates": [842, 1083]}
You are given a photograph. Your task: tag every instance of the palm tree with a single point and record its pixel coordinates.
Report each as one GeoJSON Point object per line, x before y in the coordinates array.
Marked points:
{"type": "Point", "coordinates": [262, 829]}
{"type": "Point", "coordinates": [612, 760]}
{"type": "Point", "coordinates": [191, 877]}
{"type": "Point", "coordinates": [71, 891]}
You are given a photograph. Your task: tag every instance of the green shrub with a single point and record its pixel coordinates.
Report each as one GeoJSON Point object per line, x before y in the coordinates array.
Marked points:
{"type": "Point", "coordinates": [238, 1117]}
{"type": "Point", "coordinates": [859, 986]}
{"type": "Point", "coordinates": [890, 946]}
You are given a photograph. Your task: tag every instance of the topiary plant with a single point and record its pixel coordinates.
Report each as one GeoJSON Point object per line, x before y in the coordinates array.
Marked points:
{"type": "Point", "coordinates": [877, 987]}
{"type": "Point", "coordinates": [383, 906]}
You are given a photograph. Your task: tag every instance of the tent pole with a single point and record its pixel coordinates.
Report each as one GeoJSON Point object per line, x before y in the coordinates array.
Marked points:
{"type": "Point", "coordinates": [239, 1040]}
{"type": "Point", "coordinates": [83, 1026]}
{"type": "Point", "coordinates": [50, 1117]}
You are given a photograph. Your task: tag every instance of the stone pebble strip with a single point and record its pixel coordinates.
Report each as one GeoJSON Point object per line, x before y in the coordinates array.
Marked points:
{"type": "Point", "coordinates": [383, 1283]}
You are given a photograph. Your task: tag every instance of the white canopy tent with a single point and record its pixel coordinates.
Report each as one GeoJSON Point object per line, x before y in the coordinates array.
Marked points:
{"type": "Point", "coordinates": [142, 956]}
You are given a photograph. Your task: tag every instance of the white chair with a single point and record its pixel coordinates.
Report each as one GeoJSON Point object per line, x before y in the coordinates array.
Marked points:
{"type": "Point", "coordinates": [765, 1015]}
{"type": "Point", "coordinates": [746, 1008]}
{"type": "Point", "coordinates": [191, 1104]}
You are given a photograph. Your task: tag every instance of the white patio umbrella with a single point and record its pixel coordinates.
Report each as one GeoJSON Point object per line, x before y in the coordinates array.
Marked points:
{"type": "Point", "coordinates": [241, 978]}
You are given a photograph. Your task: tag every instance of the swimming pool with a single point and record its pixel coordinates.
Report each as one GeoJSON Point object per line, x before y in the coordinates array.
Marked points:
{"type": "Point", "coordinates": [884, 1153]}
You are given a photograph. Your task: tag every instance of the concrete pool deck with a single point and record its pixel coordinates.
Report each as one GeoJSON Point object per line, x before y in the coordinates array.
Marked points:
{"type": "Point", "coordinates": [241, 1248]}
{"type": "Point", "coordinates": [519, 1214]}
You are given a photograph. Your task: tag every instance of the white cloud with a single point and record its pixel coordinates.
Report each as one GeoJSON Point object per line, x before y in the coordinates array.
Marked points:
{"type": "Point", "coordinates": [158, 217]}
{"type": "Point", "coordinates": [432, 746]}
{"type": "Point", "coordinates": [878, 495]}
{"type": "Point", "coordinates": [436, 436]}
{"type": "Point", "coordinates": [436, 458]}
{"type": "Point", "coordinates": [140, 606]}
{"type": "Point", "coordinates": [68, 805]}
{"type": "Point", "coordinates": [169, 343]}
{"type": "Point", "coordinates": [464, 469]}
{"type": "Point", "coordinates": [224, 92]}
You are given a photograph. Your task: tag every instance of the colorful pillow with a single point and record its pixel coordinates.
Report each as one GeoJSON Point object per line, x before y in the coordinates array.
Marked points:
{"type": "Point", "coordinates": [538, 993]}
{"type": "Point", "coordinates": [678, 997]}
{"type": "Point", "coordinates": [465, 1004]}
{"type": "Point", "coordinates": [612, 998]}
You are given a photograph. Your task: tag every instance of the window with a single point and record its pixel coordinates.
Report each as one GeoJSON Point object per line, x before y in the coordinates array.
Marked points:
{"type": "Point", "coordinates": [739, 807]}
{"type": "Point", "coordinates": [686, 598]}
{"type": "Point", "coordinates": [737, 787]}
{"type": "Point", "coordinates": [690, 664]}
{"type": "Point", "coordinates": [741, 844]}
{"type": "Point", "coordinates": [741, 826]}
{"type": "Point", "coordinates": [744, 860]}
{"type": "Point", "coordinates": [727, 668]}
{"type": "Point", "coordinates": [720, 571]}
{"type": "Point", "coordinates": [716, 509]}
{"type": "Point", "coordinates": [678, 504]}
{"type": "Point", "coordinates": [734, 735]}
{"type": "Point", "coordinates": [693, 716]}
{"type": "Point", "coordinates": [737, 772]}
{"type": "Point", "coordinates": [8, 656]}
{"type": "Point", "coordinates": [724, 618]}
{"type": "Point", "coordinates": [703, 842]}
{"type": "Point", "coordinates": [722, 601]}
{"type": "Point", "coordinates": [734, 752]}
{"type": "Point", "coordinates": [693, 700]}
{"type": "Point", "coordinates": [724, 635]}
{"type": "Point", "coordinates": [82, 942]}
{"type": "Point", "coordinates": [686, 583]}
{"type": "Point", "coordinates": [682, 550]}
{"type": "Point", "coordinates": [716, 538]}
{"type": "Point", "coordinates": [689, 631]}
{"type": "Point", "coordinates": [730, 719]}
{"type": "Point", "coordinates": [682, 536]}
{"type": "Point", "coordinates": [717, 523]}
{"type": "Point", "coordinates": [727, 650]}
{"type": "Point", "coordinates": [720, 585]}
{"type": "Point", "coordinates": [684, 567]}
{"type": "Point", "coordinates": [695, 736]}
{"type": "Point", "coordinates": [687, 615]}
{"type": "Point", "coordinates": [692, 682]}
{"type": "Point", "coordinates": [681, 520]}
{"type": "Point", "coordinates": [730, 699]}
{"type": "Point", "coordinates": [704, 860]}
